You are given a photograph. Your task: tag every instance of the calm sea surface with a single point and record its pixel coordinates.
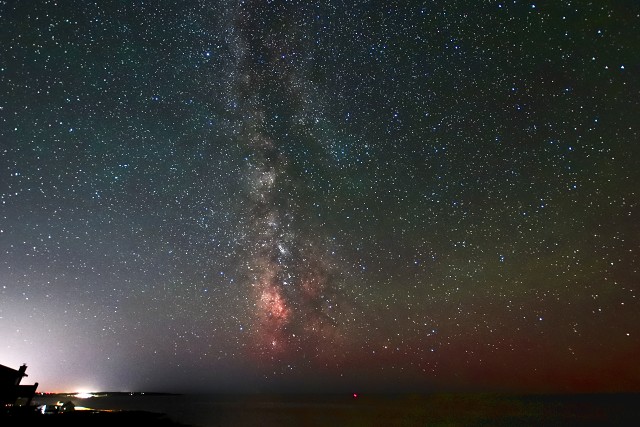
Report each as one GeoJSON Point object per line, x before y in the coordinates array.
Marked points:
{"type": "Point", "coordinates": [377, 410]}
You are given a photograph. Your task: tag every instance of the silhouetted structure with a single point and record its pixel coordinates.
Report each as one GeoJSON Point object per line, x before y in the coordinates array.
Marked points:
{"type": "Point", "coordinates": [10, 388]}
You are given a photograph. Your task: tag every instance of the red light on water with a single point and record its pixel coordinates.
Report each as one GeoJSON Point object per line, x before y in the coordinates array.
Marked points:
{"type": "Point", "coordinates": [355, 395]}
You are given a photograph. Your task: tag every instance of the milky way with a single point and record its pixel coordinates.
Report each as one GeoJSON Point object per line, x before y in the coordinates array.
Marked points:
{"type": "Point", "coordinates": [288, 262]}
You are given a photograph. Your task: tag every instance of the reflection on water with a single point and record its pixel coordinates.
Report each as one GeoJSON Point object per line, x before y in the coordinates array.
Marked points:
{"type": "Point", "coordinates": [377, 410]}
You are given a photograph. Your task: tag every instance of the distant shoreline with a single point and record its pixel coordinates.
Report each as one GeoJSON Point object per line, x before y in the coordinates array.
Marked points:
{"type": "Point", "coordinates": [109, 393]}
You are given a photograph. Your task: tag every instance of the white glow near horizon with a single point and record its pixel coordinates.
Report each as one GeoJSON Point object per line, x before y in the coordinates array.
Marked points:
{"type": "Point", "coordinates": [84, 394]}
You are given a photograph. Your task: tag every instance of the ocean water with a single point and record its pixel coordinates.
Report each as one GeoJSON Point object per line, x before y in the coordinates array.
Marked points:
{"type": "Point", "coordinates": [377, 410]}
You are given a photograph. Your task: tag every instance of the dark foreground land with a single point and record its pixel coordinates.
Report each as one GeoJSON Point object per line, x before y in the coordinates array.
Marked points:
{"type": "Point", "coordinates": [28, 418]}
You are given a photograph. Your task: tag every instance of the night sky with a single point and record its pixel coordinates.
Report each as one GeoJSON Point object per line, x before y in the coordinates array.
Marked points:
{"type": "Point", "coordinates": [320, 195]}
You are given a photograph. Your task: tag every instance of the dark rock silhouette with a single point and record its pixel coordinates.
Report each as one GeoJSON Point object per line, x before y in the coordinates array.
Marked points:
{"type": "Point", "coordinates": [11, 391]}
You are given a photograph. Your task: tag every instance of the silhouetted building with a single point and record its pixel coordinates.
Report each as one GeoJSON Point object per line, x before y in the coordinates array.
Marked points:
{"type": "Point", "coordinates": [10, 388]}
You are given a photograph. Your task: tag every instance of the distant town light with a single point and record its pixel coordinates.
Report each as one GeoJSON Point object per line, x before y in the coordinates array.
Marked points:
{"type": "Point", "coordinates": [84, 395]}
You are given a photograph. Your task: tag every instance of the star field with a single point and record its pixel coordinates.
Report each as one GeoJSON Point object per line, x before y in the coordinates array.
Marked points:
{"type": "Point", "coordinates": [276, 195]}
